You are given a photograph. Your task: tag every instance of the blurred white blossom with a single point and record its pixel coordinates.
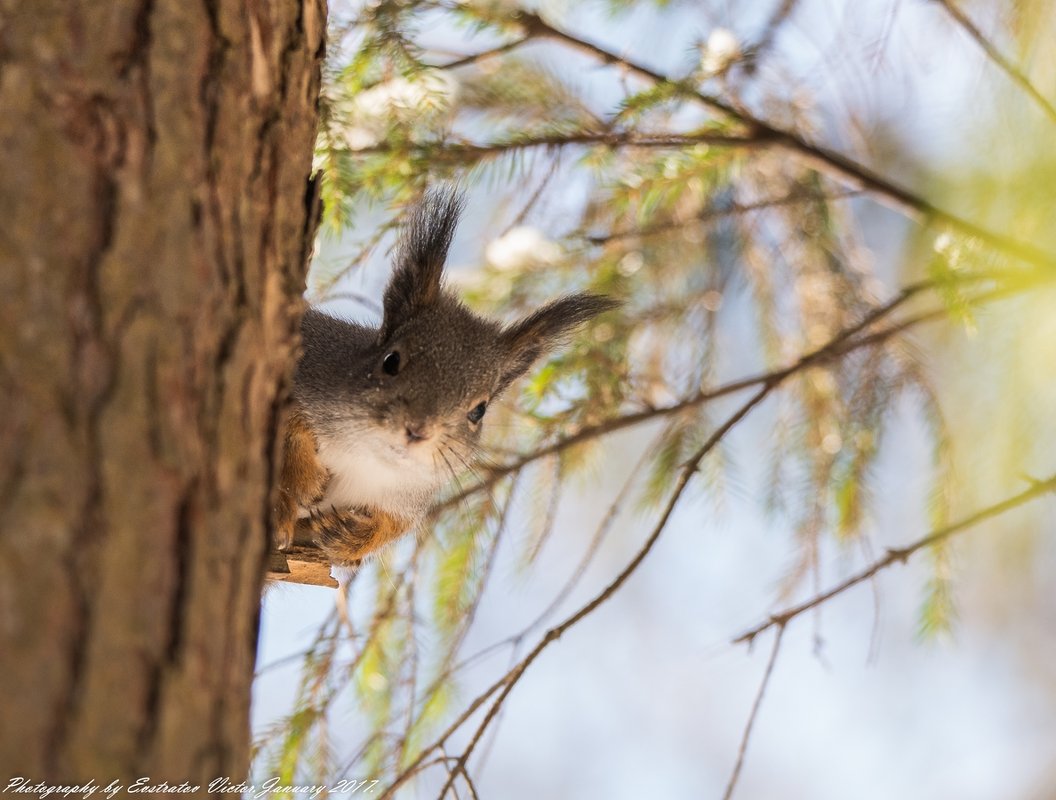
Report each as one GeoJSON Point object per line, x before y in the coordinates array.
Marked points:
{"type": "Point", "coordinates": [521, 248]}
{"type": "Point", "coordinates": [719, 52]}
{"type": "Point", "coordinates": [630, 263]}
{"type": "Point", "coordinates": [425, 98]}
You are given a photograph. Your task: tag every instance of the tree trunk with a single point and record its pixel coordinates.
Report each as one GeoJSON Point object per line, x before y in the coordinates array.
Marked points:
{"type": "Point", "coordinates": [155, 222]}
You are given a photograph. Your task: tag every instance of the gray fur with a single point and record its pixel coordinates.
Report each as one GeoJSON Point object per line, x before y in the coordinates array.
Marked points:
{"type": "Point", "coordinates": [451, 359]}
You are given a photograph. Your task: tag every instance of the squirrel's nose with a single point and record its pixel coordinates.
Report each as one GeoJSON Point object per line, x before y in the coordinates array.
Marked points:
{"type": "Point", "coordinates": [417, 433]}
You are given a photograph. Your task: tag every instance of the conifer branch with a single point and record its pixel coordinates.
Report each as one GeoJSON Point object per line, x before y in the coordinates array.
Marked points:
{"type": "Point", "coordinates": [708, 214]}
{"type": "Point", "coordinates": [461, 151]}
{"type": "Point", "coordinates": [841, 344]}
{"type": "Point", "coordinates": [825, 160]}
{"type": "Point", "coordinates": [484, 55]}
{"type": "Point", "coordinates": [900, 555]}
{"type": "Point", "coordinates": [742, 749]}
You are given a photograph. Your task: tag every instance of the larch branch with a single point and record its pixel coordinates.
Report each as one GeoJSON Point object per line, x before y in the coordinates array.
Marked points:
{"type": "Point", "coordinates": [756, 705]}
{"type": "Point", "coordinates": [844, 342]}
{"type": "Point", "coordinates": [483, 55]}
{"type": "Point", "coordinates": [900, 555]}
{"type": "Point", "coordinates": [715, 213]}
{"type": "Point", "coordinates": [468, 151]}
{"type": "Point", "coordinates": [836, 165]}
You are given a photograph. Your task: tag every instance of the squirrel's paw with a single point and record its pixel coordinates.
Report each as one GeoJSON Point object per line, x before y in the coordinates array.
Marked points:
{"type": "Point", "coordinates": [285, 522]}
{"type": "Point", "coordinates": [346, 535]}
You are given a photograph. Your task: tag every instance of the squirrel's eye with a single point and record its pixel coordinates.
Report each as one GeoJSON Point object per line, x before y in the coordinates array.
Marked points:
{"type": "Point", "coordinates": [477, 414]}
{"type": "Point", "coordinates": [391, 363]}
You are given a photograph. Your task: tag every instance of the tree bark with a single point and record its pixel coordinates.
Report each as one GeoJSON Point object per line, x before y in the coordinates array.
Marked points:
{"type": "Point", "coordinates": [155, 222]}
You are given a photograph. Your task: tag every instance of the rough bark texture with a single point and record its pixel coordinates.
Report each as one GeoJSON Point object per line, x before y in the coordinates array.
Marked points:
{"type": "Point", "coordinates": [155, 221]}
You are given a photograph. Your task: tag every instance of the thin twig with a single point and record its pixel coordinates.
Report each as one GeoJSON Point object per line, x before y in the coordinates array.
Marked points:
{"type": "Point", "coordinates": [534, 199]}
{"type": "Point", "coordinates": [592, 549]}
{"type": "Point", "coordinates": [1015, 74]}
{"type": "Point", "coordinates": [469, 783]}
{"type": "Point", "coordinates": [595, 544]}
{"type": "Point", "coordinates": [756, 704]}
{"type": "Point", "coordinates": [475, 58]}
{"type": "Point", "coordinates": [454, 774]}
{"type": "Point", "coordinates": [420, 762]}
{"type": "Point", "coordinates": [446, 669]}
{"type": "Point", "coordinates": [900, 555]}
{"type": "Point", "coordinates": [735, 210]}
{"type": "Point", "coordinates": [755, 53]}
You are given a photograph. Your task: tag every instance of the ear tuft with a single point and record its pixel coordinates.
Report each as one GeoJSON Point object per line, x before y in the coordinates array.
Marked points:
{"type": "Point", "coordinates": [420, 256]}
{"type": "Point", "coordinates": [546, 329]}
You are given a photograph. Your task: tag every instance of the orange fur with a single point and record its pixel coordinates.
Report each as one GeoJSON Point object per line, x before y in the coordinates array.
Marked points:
{"type": "Point", "coordinates": [349, 534]}
{"type": "Point", "coordinates": [302, 480]}
{"type": "Point", "coordinates": [345, 535]}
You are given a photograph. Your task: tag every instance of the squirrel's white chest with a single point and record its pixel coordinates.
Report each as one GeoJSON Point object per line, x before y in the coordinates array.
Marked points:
{"type": "Point", "coordinates": [376, 469]}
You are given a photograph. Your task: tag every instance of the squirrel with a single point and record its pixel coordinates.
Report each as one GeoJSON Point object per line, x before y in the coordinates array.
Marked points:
{"type": "Point", "coordinates": [381, 416]}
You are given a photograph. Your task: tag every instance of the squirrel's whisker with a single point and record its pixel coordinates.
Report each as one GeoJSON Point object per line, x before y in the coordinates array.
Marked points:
{"type": "Point", "coordinates": [469, 467]}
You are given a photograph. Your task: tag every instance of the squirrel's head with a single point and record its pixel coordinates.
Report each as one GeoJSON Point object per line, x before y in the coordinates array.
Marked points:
{"type": "Point", "coordinates": [437, 366]}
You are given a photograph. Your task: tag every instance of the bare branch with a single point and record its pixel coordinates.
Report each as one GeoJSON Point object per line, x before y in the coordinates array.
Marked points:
{"type": "Point", "coordinates": [1015, 74]}
{"type": "Point", "coordinates": [454, 775]}
{"type": "Point", "coordinates": [900, 555]}
{"type": "Point", "coordinates": [600, 533]}
{"type": "Point", "coordinates": [445, 669]}
{"type": "Point", "coordinates": [823, 159]}
{"type": "Point", "coordinates": [756, 704]}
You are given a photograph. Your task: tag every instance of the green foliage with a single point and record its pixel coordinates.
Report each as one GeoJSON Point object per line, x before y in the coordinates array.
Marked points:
{"type": "Point", "coordinates": [948, 261]}
{"type": "Point", "coordinates": [938, 612]}
{"type": "Point", "coordinates": [459, 571]}
{"type": "Point", "coordinates": [523, 98]}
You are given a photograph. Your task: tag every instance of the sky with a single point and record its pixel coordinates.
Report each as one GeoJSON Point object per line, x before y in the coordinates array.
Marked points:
{"type": "Point", "coordinates": [648, 697]}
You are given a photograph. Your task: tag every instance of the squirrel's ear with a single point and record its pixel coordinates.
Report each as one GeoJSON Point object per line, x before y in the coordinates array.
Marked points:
{"type": "Point", "coordinates": [420, 257]}
{"type": "Point", "coordinates": [539, 333]}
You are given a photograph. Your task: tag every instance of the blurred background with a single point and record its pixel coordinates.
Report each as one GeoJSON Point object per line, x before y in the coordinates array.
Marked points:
{"type": "Point", "coordinates": [753, 180]}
